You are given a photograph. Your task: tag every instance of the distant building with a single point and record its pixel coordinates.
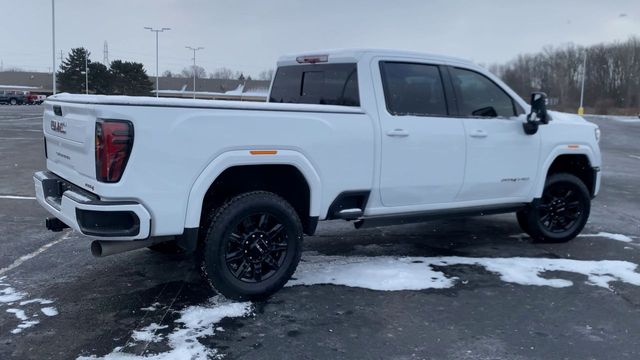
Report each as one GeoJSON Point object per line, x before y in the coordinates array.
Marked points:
{"type": "Point", "coordinates": [220, 89]}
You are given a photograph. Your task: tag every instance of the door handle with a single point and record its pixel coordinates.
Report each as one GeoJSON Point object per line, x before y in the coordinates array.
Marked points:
{"type": "Point", "coordinates": [398, 133]}
{"type": "Point", "coordinates": [479, 134]}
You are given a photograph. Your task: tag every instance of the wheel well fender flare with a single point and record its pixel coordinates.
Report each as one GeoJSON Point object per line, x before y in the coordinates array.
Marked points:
{"type": "Point", "coordinates": [244, 157]}
{"type": "Point", "coordinates": [558, 151]}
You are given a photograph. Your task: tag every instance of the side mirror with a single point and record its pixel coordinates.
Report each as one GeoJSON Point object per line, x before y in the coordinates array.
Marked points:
{"type": "Point", "coordinates": [538, 114]}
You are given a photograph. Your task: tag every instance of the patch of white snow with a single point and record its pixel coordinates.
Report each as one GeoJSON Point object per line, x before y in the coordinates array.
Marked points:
{"type": "Point", "coordinates": [49, 311]}
{"type": "Point", "coordinates": [617, 237]}
{"type": "Point", "coordinates": [148, 333]}
{"type": "Point", "coordinates": [196, 322]}
{"type": "Point", "coordinates": [416, 273]}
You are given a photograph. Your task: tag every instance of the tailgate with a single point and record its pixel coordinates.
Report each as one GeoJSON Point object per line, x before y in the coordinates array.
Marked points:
{"type": "Point", "coordinates": [69, 132]}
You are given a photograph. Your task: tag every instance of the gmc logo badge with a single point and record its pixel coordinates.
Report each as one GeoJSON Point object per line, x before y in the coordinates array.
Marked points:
{"type": "Point", "coordinates": [58, 126]}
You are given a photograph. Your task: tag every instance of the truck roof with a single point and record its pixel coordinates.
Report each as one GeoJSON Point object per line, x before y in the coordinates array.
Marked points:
{"type": "Point", "coordinates": [355, 54]}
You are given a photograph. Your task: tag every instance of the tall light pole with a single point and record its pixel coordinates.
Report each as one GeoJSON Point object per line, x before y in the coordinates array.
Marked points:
{"type": "Point", "coordinates": [584, 74]}
{"type": "Point", "coordinates": [194, 67]}
{"type": "Point", "coordinates": [86, 71]}
{"type": "Point", "coordinates": [53, 42]}
{"type": "Point", "coordinates": [157, 31]}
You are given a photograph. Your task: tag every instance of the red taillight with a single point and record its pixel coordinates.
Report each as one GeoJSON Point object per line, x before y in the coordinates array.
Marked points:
{"type": "Point", "coordinates": [114, 140]}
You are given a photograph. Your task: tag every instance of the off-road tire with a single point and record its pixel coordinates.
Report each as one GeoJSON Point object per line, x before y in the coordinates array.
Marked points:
{"type": "Point", "coordinates": [223, 235]}
{"type": "Point", "coordinates": [565, 197]}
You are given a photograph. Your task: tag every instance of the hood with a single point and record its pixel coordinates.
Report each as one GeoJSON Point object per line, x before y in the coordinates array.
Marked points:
{"type": "Point", "coordinates": [567, 118]}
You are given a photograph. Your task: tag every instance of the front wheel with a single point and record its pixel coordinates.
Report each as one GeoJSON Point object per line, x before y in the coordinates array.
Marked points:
{"type": "Point", "coordinates": [253, 246]}
{"type": "Point", "coordinates": [562, 211]}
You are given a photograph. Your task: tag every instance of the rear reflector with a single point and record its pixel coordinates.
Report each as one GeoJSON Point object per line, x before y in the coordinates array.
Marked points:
{"type": "Point", "coordinates": [312, 59]}
{"type": "Point", "coordinates": [114, 140]}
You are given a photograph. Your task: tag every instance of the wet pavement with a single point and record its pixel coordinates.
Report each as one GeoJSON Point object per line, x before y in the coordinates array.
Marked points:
{"type": "Point", "coordinates": [100, 302]}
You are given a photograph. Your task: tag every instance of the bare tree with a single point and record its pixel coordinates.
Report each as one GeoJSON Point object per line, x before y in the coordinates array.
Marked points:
{"type": "Point", "coordinates": [266, 75]}
{"type": "Point", "coordinates": [612, 76]}
{"type": "Point", "coordinates": [222, 73]}
{"type": "Point", "coordinates": [188, 72]}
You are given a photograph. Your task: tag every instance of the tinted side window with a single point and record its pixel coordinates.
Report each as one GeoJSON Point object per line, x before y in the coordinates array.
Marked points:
{"type": "Point", "coordinates": [479, 96]}
{"type": "Point", "coordinates": [413, 89]}
{"type": "Point", "coordinates": [329, 84]}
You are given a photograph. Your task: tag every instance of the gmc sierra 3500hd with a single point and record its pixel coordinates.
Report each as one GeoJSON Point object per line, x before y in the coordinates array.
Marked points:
{"type": "Point", "coordinates": [371, 136]}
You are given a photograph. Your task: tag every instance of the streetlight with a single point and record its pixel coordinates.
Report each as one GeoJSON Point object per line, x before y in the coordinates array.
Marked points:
{"type": "Point", "coordinates": [86, 71]}
{"type": "Point", "coordinates": [584, 74]}
{"type": "Point", "coordinates": [53, 41]}
{"type": "Point", "coordinates": [194, 67]}
{"type": "Point", "coordinates": [157, 31]}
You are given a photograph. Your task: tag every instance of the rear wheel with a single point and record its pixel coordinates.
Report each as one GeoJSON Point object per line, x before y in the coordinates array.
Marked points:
{"type": "Point", "coordinates": [253, 246]}
{"type": "Point", "coordinates": [13, 101]}
{"type": "Point", "coordinates": [562, 211]}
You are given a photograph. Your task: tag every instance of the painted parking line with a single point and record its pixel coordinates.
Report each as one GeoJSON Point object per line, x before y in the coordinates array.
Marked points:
{"type": "Point", "coordinates": [634, 156]}
{"type": "Point", "coordinates": [33, 254]}
{"type": "Point", "coordinates": [20, 138]}
{"type": "Point", "coordinates": [17, 197]}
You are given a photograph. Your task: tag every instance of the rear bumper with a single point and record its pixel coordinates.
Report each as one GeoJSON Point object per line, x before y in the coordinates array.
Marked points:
{"type": "Point", "coordinates": [87, 214]}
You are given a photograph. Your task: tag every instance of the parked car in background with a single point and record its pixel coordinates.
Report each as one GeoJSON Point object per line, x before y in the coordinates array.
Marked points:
{"type": "Point", "coordinates": [12, 97]}
{"type": "Point", "coordinates": [35, 99]}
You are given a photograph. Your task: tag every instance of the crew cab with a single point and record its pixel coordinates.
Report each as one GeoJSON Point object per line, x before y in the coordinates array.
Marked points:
{"type": "Point", "coordinates": [374, 137]}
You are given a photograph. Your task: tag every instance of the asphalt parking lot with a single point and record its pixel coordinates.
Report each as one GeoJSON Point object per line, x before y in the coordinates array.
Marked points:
{"type": "Point", "coordinates": [58, 302]}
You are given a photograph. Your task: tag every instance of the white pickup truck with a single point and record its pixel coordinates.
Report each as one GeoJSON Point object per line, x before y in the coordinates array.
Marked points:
{"type": "Point", "coordinates": [370, 136]}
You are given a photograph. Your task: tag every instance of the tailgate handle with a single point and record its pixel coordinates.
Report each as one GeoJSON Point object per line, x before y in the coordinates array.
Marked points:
{"type": "Point", "coordinates": [57, 109]}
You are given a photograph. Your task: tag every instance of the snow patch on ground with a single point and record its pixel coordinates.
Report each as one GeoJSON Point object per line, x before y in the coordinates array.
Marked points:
{"type": "Point", "coordinates": [148, 333]}
{"type": "Point", "coordinates": [9, 296]}
{"type": "Point", "coordinates": [416, 273]}
{"type": "Point", "coordinates": [152, 307]}
{"type": "Point", "coordinates": [606, 235]}
{"type": "Point", "coordinates": [196, 322]}
{"type": "Point", "coordinates": [617, 237]}
{"type": "Point", "coordinates": [49, 311]}
{"type": "Point", "coordinates": [376, 273]}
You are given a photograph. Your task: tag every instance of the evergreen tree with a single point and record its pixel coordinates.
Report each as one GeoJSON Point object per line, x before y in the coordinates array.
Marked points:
{"type": "Point", "coordinates": [130, 78]}
{"type": "Point", "coordinates": [71, 76]}
{"type": "Point", "coordinates": [100, 81]}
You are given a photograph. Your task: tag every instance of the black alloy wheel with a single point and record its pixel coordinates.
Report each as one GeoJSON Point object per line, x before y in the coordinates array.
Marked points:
{"type": "Point", "coordinates": [252, 247]}
{"type": "Point", "coordinates": [562, 211]}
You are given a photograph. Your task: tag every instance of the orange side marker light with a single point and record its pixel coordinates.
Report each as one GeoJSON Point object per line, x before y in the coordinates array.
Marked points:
{"type": "Point", "coordinates": [263, 152]}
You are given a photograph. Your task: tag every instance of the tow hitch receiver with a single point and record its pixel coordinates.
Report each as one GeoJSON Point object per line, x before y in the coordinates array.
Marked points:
{"type": "Point", "coordinates": [54, 224]}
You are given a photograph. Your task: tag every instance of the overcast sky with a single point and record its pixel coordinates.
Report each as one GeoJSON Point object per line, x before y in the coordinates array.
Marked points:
{"type": "Point", "coordinates": [249, 35]}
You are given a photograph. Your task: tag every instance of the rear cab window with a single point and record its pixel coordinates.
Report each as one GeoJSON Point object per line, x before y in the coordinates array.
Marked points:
{"type": "Point", "coordinates": [413, 89]}
{"type": "Point", "coordinates": [324, 84]}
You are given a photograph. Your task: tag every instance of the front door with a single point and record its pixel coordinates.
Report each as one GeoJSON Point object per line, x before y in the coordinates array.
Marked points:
{"type": "Point", "coordinates": [501, 159]}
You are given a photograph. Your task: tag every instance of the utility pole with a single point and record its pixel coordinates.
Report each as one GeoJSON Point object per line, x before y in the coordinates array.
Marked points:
{"type": "Point", "coordinates": [584, 74]}
{"type": "Point", "coordinates": [194, 67]}
{"type": "Point", "coordinates": [53, 42]}
{"type": "Point", "coordinates": [157, 31]}
{"type": "Point", "coordinates": [86, 71]}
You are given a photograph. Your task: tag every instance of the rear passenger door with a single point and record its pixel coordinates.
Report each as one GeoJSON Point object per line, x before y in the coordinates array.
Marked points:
{"type": "Point", "coordinates": [423, 147]}
{"type": "Point", "coordinates": [501, 158]}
